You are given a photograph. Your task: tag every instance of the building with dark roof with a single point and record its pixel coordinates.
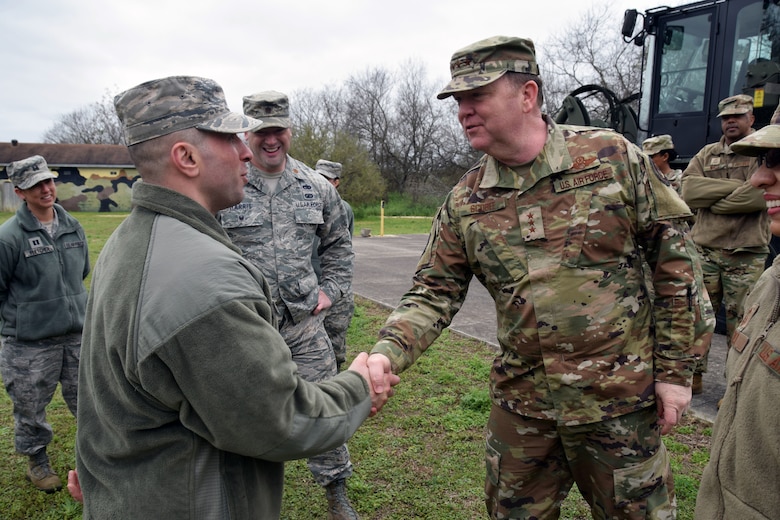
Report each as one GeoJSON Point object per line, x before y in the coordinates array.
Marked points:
{"type": "Point", "coordinates": [90, 177]}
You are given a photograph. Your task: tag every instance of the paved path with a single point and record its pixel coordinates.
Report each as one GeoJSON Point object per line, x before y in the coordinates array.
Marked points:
{"type": "Point", "coordinates": [383, 273]}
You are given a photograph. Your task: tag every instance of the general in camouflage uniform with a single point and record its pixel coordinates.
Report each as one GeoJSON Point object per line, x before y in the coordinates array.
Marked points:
{"type": "Point", "coordinates": [340, 314]}
{"type": "Point", "coordinates": [552, 221]}
{"type": "Point", "coordinates": [287, 208]}
{"type": "Point", "coordinates": [732, 226]}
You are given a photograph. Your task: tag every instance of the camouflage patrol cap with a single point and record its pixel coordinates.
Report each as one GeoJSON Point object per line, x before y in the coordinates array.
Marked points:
{"type": "Point", "coordinates": [26, 173]}
{"type": "Point", "coordinates": [273, 107]}
{"type": "Point", "coordinates": [735, 105]}
{"type": "Point", "coordinates": [657, 144]}
{"type": "Point", "coordinates": [761, 140]}
{"type": "Point", "coordinates": [163, 106]}
{"type": "Point", "coordinates": [329, 169]}
{"type": "Point", "coordinates": [485, 61]}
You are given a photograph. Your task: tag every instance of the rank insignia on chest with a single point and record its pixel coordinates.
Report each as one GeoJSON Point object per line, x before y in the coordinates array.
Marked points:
{"type": "Point", "coordinates": [714, 161]}
{"type": "Point", "coordinates": [531, 223]}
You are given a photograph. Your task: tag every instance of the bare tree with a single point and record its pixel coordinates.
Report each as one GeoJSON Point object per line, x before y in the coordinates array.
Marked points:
{"type": "Point", "coordinates": [413, 138]}
{"type": "Point", "coordinates": [591, 51]}
{"type": "Point", "coordinates": [96, 123]}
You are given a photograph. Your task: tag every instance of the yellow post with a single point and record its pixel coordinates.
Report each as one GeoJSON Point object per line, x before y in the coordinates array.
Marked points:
{"type": "Point", "coordinates": [382, 220]}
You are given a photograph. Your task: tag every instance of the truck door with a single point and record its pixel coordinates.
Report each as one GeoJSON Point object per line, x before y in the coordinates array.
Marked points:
{"type": "Point", "coordinates": [706, 52]}
{"type": "Point", "coordinates": [682, 95]}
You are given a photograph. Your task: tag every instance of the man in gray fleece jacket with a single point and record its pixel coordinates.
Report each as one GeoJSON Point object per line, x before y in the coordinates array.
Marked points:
{"type": "Point", "coordinates": [189, 399]}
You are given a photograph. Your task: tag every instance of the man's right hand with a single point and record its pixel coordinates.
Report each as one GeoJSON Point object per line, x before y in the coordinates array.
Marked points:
{"type": "Point", "coordinates": [379, 377]}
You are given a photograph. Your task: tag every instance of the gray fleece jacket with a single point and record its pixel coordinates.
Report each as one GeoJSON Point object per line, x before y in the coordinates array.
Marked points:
{"type": "Point", "coordinates": [42, 291]}
{"type": "Point", "coordinates": [741, 479]}
{"type": "Point", "coordinates": [189, 400]}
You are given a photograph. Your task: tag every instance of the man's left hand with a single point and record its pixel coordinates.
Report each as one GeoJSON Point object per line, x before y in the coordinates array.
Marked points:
{"type": "Point", "coordinates": [323, 303]}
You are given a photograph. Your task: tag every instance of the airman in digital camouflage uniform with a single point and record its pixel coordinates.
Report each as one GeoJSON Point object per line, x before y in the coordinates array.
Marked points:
{"type": "Point", "coordinates": [732, 226]}
{"type": "Point", "coordinates": [552, 221]}
{"type": "Point", "coordinates": [286, 208]}
{"type": "Point", "coordinates": [43, 263]}
{"type": "Point", "coordinates": [340, 314]}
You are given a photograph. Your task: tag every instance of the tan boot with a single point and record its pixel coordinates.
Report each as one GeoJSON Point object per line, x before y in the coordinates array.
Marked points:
{"type": "Point", "coordinates": [339, 507]}
{"type": "Point", "coordinates": [42, 477]}
{"type": "Point", "coordinates": [698, 385]}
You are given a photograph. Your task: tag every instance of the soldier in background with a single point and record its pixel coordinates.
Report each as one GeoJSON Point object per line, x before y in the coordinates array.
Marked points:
{"type": "Point", "coordinates": [339, 316]}
{"type": "Point", "coordinates": [286, 208]}
{"type": "Point", "coordinates": [43, 263]}
{"type": "Point", "coordinates": [732, 227]}
{"type": "Point", "coordinates": [550, 221]}
{"type": "Point", "coordinates": [660, 149]}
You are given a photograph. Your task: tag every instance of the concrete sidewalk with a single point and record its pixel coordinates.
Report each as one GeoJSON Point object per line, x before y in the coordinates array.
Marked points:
{"type": "Point", "coordinates": [384, 267]}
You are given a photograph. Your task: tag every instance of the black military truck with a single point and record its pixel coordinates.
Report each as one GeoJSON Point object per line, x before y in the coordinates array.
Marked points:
{"type": "Point", "coordinates": [693, 56]}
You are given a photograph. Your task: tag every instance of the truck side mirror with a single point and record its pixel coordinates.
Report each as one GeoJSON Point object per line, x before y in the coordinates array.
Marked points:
{"type": "Point", "coordinates": [629, 22]}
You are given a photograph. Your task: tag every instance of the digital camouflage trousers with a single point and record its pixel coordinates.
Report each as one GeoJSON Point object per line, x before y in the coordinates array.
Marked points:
{"type": "Point", "coordinates": [31, 371]}
{"type": "Point", "coordinates": [312, 352]}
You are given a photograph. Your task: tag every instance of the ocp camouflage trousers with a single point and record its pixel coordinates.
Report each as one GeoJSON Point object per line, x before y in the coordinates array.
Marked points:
{"type": "Point", "coordinates": [728, 277]}
{"type": "Point", "coordinates": [30, 372]}
{"type": "Point", "coordinates": [620, 467]}
{"type": "Point", "coordinates": [312, 352]}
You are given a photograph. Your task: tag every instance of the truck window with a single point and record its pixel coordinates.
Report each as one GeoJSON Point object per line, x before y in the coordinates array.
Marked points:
{"type": "Point", "coordinates": [755, 43]}
{"type": "Point", "coordinates": [684, 62]}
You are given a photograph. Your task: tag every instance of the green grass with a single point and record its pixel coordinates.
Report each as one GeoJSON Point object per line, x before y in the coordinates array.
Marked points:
{"type": "Point", "coordinates": [420, 458]}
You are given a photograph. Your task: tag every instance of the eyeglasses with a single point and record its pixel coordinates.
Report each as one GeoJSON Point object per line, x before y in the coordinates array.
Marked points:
{"type": "Point", "coordinates": [769, 158]}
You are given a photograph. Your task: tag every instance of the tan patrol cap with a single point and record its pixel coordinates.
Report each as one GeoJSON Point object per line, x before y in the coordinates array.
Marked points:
{"type": "Point", "coordinates": [761, 140]}
{"type": "Point", "coordinates": [658, 143]}
{"type": "Point", "coordinates": [735, 105]}
{"type": "Point", "coordinates": [485, 61]}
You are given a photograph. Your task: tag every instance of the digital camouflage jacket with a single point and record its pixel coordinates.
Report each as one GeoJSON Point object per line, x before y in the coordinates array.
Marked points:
{"type": "Point", "coordinates": [277, 232]}
{"type": "Point", "coordinates": [557, 245]}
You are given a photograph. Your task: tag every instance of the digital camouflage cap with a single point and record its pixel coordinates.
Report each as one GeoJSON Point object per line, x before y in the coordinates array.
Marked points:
{"type": "Point", "coordinates": [329, 169]}
{"type": "Point", "coordinates": [26, 173]}
{"type": "Point", "coordinates": [735, 105]}
{"type": "Point", "coordinates": [761, 140]}
{"type": "Point", "coordinates": [163, 106]}
{"type": "Point", "coordinates": [658, 143]}
{"type": "Point", "coordinates": [485, 61]}
{"type": "Point", "coordinates": [272, 106]}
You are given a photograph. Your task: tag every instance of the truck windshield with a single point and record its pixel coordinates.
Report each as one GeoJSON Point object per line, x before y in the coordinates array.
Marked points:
{"type": "Point", "coordinates": [685, 60]}
{"type": "Point", "coordinates": [756, 46]}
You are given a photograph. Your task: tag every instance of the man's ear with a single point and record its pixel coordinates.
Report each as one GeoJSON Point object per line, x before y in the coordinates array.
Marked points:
{"type": "Point", "coordinates": [530, 93]}
{"type": "Point", "coordinates": [186, 158]}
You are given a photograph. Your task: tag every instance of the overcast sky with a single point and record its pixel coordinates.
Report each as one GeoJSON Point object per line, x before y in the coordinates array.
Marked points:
{"type": "Point", "coordinates": [60, 55]}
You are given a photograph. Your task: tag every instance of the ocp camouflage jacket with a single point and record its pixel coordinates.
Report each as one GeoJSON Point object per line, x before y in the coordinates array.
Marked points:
{"type": "Point", "coordinates": [730, 212]}
{"type": "Point", "coordinates": [557, 245]}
